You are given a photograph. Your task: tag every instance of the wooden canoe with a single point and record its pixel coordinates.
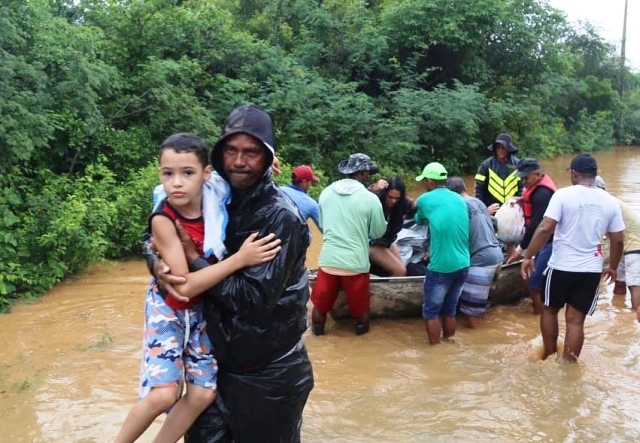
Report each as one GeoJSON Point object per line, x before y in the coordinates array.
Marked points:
{"type": "Point", "coordinates": [394, 297]}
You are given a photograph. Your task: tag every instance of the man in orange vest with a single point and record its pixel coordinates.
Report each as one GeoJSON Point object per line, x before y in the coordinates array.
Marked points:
{"type": "Point", "coordinates": [538, 189]}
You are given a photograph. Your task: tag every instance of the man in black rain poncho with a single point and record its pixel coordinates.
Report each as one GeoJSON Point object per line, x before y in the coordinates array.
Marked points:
{"type": "Point", "coordinates": [256, 317]}
{"type": "Point", "coordinates": [496, 180]}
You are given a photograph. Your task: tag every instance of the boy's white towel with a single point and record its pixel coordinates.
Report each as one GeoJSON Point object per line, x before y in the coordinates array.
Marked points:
{"type": "Point", "coordinates": [216, 194]}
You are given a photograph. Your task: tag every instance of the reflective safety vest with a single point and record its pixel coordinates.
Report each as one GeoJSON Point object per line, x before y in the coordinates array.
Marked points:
{"type": "Point", "coordinates": [526, 196]}
{"type": "Point", "coordinates": [498, 180]}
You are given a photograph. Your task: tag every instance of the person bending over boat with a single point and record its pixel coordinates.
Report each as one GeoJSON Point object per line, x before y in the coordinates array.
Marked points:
{"type": "Point", "coordinates": [383, 252]}
{"type": "Point", "coordinates": [448, 218]}
{"type": "Point", "coordinates": [486, 257]}
{"type": "Point", "coordinates": [349, 216]}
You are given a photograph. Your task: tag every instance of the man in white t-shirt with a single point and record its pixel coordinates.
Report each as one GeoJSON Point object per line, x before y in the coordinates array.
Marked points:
{"type": "Point", "coordinates": [580, 215]}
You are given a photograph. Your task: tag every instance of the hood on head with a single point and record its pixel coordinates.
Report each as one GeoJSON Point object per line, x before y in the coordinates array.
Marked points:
{"type": "Point", "coordinates": [246, 119]}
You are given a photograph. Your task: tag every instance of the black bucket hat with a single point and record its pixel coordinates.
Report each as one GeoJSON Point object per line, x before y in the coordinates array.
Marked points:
{"type": "Point", "coordinates": [504, 140]}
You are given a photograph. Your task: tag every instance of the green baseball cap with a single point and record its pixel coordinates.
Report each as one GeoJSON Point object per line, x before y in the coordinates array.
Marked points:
{"type": "Point", "coordinates": [433, 171]}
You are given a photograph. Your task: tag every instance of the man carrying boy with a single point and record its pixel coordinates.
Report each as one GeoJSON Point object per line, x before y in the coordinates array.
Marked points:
{"type": "Point", "coordinates": [256, 316]}
{"type": "Point", "coordinates": [175, 337]}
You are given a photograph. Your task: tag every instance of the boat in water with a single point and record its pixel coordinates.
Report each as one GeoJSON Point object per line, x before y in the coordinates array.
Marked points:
{"type": "Point", "coordinates": [401, 297]}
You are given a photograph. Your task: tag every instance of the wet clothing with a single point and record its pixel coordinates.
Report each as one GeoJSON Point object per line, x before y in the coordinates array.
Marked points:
{"type": "Point", "coordinates": [535, 201]}
{"type": "Point", "coordinates": [486, 260]}
{"type": "Point", "coordinates": [442, 292]}
{"type": "Point", "coordinates": [484, 247]}
{"type": "Point", "coordinates": [175, 341]}
{"type": "Point", "coordinates": [174, 331]}
{"type": "Point", "coordinates": [632, 228]}
{"type": "Point", "coordinates": [475, 297]}
{"type": "Point", "coordinates": [307, 206]}
{"type": "Point", "coordinates": [256, 318]}
{"type": "Point", "coordinates": [448, 218]}
{"type": "Point", "coordinates": [541, 262]}
{"type": "Point", "coordinates": [629, 267]}
{"type": "Point", "coordinates": [195, 229]}
{"type": "Point", "coordinates": [350, 215]}
{"type": "Point", "coordinates": [583, 215]}
{"type": "Point", "coordinates": [497, 182]}
{"type": "Point", "coordinates": [578, 289]}
{"type": "Point", "coordinates": [356, 289]}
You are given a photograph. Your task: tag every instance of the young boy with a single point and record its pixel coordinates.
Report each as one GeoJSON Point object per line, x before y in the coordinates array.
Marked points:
{"type": "Point", "coordinates": [175, 337]}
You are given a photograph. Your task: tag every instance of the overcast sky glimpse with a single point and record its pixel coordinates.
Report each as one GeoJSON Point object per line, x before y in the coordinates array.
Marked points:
{"type": "Point", "coordinates": [608, 16]}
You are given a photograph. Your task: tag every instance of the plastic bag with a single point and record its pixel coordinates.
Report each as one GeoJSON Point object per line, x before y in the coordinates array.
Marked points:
{"type": "Point", "coordinates": [510, 218]}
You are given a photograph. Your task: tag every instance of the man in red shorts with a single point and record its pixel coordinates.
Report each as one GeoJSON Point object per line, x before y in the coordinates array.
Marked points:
{"type": "Point", "coordinates": [350, 215]}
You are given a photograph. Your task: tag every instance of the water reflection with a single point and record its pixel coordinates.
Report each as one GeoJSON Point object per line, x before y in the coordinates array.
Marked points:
{"type": "Point", "coordinates": [69, 366]}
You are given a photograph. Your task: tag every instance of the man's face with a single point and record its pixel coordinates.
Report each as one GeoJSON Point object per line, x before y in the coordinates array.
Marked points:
{"type": "Point", "coordinates": [501, 152]}
{"type": "Point", "coordinates": [531, 179]}
{"type": "Point", "coordinates": [244, 160]}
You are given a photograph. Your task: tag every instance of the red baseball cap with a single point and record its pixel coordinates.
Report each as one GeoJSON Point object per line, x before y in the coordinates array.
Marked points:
{"type": "Point", "coordinates": [304, 172]}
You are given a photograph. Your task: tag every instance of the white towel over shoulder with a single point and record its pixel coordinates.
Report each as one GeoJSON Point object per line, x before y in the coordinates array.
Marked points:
{"type": "Point", "coordinates": [216, 194]}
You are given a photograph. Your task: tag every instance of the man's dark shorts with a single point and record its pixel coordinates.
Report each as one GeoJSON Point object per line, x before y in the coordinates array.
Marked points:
{"type": "Point", "coordinates": [578, 289]}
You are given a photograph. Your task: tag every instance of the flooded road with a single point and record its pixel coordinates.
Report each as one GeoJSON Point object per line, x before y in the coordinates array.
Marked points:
{"type": "Point", "coordinates": [69, 366]}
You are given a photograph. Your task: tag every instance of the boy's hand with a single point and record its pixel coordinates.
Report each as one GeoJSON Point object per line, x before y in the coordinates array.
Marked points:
{"type": "Point", "coordinates": [166, 281]}
{"type": "Point", "coordinates": [255, 252]}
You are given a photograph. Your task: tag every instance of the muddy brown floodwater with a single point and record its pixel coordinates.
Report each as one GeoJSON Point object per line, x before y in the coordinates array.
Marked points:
{"type": "Point", "coordinates": [69, 365]}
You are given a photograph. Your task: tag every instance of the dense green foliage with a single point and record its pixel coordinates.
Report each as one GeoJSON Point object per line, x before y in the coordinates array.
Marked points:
{"type": "Point", "coordinates": [89, 88]}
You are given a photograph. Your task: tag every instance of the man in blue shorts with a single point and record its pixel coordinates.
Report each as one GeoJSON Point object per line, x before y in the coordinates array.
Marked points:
{"type": "Point", "coordinates": [538, 189]}
{"type": "Point", "coordinates": [580, 215]}
{"type": "Point", "coordinates": [448, 218]}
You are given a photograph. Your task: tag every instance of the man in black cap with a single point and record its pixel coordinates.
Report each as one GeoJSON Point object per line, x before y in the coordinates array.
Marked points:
{"type": "Point", "coordinates": [496, 179]}
{"type": "Point", "coordinates": [538, 189]}
{"type": "Point", "coordinates": [256, 316]}
{"type": "Point", "coordinates": [350, 215]}
{"type": "Point", "coordinates": [578, 216]}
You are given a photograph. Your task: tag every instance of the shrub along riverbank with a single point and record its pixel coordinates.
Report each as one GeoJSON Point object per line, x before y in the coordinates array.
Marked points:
{"type": "Point", "coordinates": [89, 88]}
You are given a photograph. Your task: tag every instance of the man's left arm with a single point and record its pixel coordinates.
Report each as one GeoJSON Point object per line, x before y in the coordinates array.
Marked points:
{"type": "Point", "coordinates": [314, 213]}
{"type": "Point", "coordinates": [258, 288]}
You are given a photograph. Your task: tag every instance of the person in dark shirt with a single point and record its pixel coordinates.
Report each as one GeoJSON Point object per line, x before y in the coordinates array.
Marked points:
{"type": "Point", "coordinates": [383, 252]}
{"type": "Point", "coordinates": [538, 189]}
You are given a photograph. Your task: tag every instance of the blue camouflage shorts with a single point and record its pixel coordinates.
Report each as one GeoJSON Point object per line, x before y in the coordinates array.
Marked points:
{"type": "Point", "coordinates": [170, 349]}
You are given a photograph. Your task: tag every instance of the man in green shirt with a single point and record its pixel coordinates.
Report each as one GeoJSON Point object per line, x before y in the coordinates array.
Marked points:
{"type": "Point", "coordinates": [447, 216]}
{"type": "Point", "coordinates": [350, 215]}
